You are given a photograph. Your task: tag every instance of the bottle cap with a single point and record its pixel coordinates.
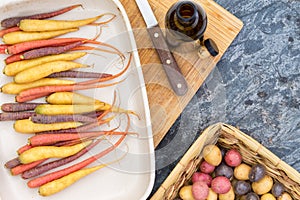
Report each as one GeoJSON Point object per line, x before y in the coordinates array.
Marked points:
{"type": "Point", "coordinates": [211, 46]}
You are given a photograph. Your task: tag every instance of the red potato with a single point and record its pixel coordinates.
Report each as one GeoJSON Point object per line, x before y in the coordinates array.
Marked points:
{"type": "Point", "coordinates": [233, 158]}
{"type": "Point", "coordinates": [207, 168]}
{"type": "Point", "coordinates": [200, 190]}
{"type": "Point", "coordinates": [199, 176]}
{"type": "Point", "coordinates": [220, 185]}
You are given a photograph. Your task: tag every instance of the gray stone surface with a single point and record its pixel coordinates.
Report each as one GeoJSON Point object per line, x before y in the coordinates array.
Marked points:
{"type": "Point", "coordinates": [255, 86]}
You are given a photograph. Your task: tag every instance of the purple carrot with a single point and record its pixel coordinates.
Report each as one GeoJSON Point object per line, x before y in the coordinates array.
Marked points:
{"type": "Point", "coordinates": [15, 116]}
{"type": "Point", "coordinates": [81, 128]}
{"type": "Point", "coordinates": [18, 107]}
{"type": "Point", "coordinates": [57, 163]}
{"type": "Point", "coordinates": [12, 163]}
{"type": "Point", "coordinates": [44, 51]}
{"type": "Point", "coordinates": [14, 21]}
{"type": "Point", "coordinates": [49, 119]}
{"type": "Point", "coordinates": [78, 74]}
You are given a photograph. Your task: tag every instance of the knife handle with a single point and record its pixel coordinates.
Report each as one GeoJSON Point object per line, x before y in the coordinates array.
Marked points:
{"type": "Point", "coordinates": [173, 72]}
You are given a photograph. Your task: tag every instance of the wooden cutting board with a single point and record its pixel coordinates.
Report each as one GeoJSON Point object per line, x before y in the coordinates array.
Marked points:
{"type": "Point", "coordinates": [165, 106]}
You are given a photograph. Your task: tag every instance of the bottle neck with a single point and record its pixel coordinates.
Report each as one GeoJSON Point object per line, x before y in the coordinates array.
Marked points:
{"type": "Point", "coordinates": [186, 13]}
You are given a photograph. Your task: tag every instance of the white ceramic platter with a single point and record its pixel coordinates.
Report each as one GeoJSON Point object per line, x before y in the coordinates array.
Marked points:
{"type": "Point", "coordinates": [132, 177]}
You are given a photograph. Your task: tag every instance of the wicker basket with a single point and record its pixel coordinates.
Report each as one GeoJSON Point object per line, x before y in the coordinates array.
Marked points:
{"type": "Point", "coordinates": [228, 137]}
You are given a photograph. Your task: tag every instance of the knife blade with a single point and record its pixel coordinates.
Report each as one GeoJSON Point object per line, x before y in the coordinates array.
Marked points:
{"type": "Point", "coordinates": [171, 68]}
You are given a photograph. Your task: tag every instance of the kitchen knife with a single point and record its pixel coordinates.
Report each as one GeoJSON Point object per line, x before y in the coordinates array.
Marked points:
{"type": "Point", "coordinates": [173, 72]}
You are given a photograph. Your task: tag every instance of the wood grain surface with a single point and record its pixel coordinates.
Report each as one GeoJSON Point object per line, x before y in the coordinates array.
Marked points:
{"type": "Point", "coordinates": [165, 105]}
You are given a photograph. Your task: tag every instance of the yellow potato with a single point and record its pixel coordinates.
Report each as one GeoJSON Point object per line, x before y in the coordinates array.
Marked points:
{"type": "Point", "coordinates": [185, 193]}
{"type": "Point", "coordinates": [263, 186]}
{"type": "Point", "coordinates": [227, 196]}
{"type": "Point", "coordinates": [285, 196]}
{"type": "Point", "coordinates": [267, 196]}
{"type": "Point", "coordinates": [212, 195]}
{"type": "Point", "coordinates": [212, 155]}
{"type": "Point", "coordinates": [242, 171]}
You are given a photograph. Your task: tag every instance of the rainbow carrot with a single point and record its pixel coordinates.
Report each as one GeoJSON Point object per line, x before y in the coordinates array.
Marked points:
{"type": "Point", "coordinates": [9, 30]}
{"type": "Point", "coordinates": [57, 163]}
{"type": "Point", "coordinates": [14, 21]}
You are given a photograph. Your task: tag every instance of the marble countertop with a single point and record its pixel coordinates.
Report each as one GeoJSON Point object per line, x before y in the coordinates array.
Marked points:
{"type": "Point", "coordinates": [255, 86]}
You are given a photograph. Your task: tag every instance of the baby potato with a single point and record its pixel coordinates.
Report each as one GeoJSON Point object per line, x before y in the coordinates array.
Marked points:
{"type": "Point", "coordinates": [212, 195]}
{"type": "Point", "coordinates": [263, 186]}
{"type": "Point", "coordinates": [212, 154]}
{"type": "Point", "coordinates": [185, 193]}
{"type": "Point", "coordinates": [227, 196]}
{"type": "Point", "coordinates": [267, 196]}
{"type": "Point", "coordinates": [285, 196]}
{"type": "Point", "coordinates": [242, 171]}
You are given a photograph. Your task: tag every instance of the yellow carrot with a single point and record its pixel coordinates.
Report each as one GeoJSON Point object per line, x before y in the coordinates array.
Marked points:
{"type": "Point", "coordinates": [69, 98]}
{"type": "Point", "coordinates": [47, 109]}
{"type": "Point", "coordinates": [43, 152]}
{"type": "Point", "coordinates": [52, 25]}
{"type": "Point", "coordinates": [22, 36]}
{"type": "Point", "coordinates": [59, 184]}
{"type": "Point", "coordinates": [64, 182]}
{"type": "Point", "coordinates": [27, 126]}
{"type": "Point", "coordinates": [16, 67]}
{"type": "Point", "coordinates": [44, 70]}
{"type": "Point", "coordinates": [16, 88]}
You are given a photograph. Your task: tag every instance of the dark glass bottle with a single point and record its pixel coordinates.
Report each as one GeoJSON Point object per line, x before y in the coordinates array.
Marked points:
{"type": "Point", "coordinates": [185, 21]}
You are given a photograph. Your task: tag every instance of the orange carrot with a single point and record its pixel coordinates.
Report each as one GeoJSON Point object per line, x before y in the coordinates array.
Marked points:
{"type": "Point", "coordinates": [24, 167]}
{"type": "Point", "coordinates": [49, 139]}
{"type": "Point", "coordinates": [9, 30]}
{"type": "Point", "coordinates": [13, 58]}
{"type": "Point", "coordinates": [14, 21]}
{"type": "Point", "coordinates": [3, 48]}
{"type": "Point", "coordinates": [24, 148]}
{"type": "Point", "coordinates": [24, 46]}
